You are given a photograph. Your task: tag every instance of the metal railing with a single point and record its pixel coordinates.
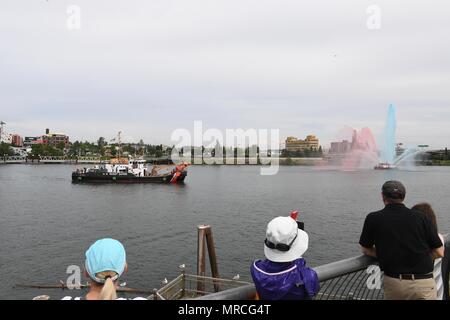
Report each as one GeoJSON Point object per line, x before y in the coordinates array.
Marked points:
{"type": "Point", "coordinates": [349, 279]}
{"type": "Point", "coordinates": [189, 286]}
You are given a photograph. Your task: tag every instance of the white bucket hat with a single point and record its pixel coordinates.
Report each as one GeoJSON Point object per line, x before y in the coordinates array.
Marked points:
{"type": "Point", "coordinates": [285, 242]}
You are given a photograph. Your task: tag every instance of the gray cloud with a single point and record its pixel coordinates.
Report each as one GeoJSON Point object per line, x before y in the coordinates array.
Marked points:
{"type": "Point", "coordinates": [149, 67]}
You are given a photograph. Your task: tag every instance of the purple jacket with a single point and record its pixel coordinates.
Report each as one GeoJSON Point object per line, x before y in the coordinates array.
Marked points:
{"type": "Point", "coordinates": [284, 281]}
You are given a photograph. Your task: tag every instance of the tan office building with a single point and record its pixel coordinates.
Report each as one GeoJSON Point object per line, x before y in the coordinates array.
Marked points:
{"type": "Point", "coordinates": [294, 144]}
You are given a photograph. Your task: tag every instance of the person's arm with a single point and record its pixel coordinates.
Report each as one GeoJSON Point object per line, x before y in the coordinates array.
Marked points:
{"type": "Point", "coordinates": [367, 240]}
{"type": "Point", "coordinates": [438, 253]}
{"type": "Point", "coordinates": [434, 241]}
{"type": "Point", "coordinates": [371, 252]}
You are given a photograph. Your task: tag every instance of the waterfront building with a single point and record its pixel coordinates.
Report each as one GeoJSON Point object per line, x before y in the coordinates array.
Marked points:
{"type": "Point", "coordinates": [340, 147]}
{"type": "Point", "coordinates": [16, 140]}
{"type": "Point", "coordinates": [55, 139]}
{"type": "Point", "coordinates": [3, 135]}
{"type": "Point", "coordinates": [29, 141]}
{"type": "Point", "coordinates": [310, 143]}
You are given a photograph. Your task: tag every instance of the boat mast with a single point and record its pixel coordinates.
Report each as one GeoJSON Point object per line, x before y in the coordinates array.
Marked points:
{"type": "Point", "coordinates": [120, 144]}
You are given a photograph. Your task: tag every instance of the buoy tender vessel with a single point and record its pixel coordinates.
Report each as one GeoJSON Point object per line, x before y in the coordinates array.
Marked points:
{"type": "Point", "coordinates": [123, 170]}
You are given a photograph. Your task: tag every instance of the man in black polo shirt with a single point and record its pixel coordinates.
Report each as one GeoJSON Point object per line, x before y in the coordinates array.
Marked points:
{"type": "Point", "coordinates": [405, 243]}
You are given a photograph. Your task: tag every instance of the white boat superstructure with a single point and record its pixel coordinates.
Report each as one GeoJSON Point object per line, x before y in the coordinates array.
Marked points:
{"type": "Point", "coordinates": [136, 167]}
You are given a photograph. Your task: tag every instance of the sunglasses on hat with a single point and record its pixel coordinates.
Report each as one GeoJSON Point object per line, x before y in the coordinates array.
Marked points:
{"type": "Point", "coordinates": [282, 246]}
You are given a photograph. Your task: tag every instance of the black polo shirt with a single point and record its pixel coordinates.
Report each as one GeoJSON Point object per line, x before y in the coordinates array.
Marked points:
{"type": "Point", "coordinates": [403, 239]}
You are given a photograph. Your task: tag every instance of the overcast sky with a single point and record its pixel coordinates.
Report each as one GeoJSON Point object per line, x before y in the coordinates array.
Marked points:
{"type": "Point", "coordinates": [149, 67]}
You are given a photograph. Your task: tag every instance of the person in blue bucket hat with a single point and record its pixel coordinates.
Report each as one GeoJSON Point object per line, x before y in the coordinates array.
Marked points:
{"type": "Point", "coordinates": [284, 275]}
{"type": "Point", "coordinates": [105, 264]}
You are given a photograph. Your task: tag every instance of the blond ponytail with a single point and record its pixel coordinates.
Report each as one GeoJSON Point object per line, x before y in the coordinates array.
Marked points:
{"type": "Point", "coordinates": [108, 291]}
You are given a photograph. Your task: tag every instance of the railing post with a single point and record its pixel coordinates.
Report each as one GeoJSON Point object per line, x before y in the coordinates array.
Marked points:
{"type": "Point", "coordinates": [183, 282]}
{"type": "Point", "coordinates": [446, 269]}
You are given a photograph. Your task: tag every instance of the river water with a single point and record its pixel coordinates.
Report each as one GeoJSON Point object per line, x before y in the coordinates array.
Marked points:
{"type": "Point", "coordinates": [47, 223]}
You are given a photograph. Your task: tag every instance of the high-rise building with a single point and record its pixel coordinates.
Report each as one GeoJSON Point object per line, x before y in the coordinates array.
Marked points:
{"type": "Point", "coordinates": [4, 137]}
{"type": "Point", "coordinates": [16, 140]}
{"type": "Point", "coordinates": [340, 147]}
{"type": "Point", "coordinates": [294, 144]}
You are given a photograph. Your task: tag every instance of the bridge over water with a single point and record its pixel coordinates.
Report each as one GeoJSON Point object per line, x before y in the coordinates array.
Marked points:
{"type": "Point", "coordinates": [44, 160]}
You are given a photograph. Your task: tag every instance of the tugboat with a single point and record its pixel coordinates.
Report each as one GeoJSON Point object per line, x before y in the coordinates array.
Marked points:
{"type": "Point", "coordinates": [384, 166]}
{"type": "Point", "coordinates": [129, 171]}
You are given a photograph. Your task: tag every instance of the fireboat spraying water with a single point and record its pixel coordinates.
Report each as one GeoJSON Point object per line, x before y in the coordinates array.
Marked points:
{"type": "Point", "coordinates": [385, 166]}
{"type": "Point", "coordinates": [388, 151]}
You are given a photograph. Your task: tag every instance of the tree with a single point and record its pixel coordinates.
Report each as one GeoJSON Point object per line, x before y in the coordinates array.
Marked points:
{"type": "Point", "coordinates": [44, 150]}
{"type": "Point", "coordinates": [61, 146]}
{"type": "Point", "coordinates": [6, 150]}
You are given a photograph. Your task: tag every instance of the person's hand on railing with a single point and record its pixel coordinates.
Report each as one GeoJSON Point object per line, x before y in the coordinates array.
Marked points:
{"type": "Point", "coordinates": [371, 252]}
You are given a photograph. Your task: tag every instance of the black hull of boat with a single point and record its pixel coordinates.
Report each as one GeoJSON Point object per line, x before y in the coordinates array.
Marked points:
{"type": "Point", "coordinates": [129, 178]}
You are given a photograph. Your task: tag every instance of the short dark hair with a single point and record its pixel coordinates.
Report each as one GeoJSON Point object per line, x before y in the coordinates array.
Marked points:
{"type": "Point", "coordinates": [394, 190]}
{"type": "Point", "coordinates": [427, 209]}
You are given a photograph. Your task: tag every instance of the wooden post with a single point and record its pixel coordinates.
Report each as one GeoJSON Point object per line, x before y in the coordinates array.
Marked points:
{"type": "Point", "coordinates": [201, 257]}
{"type": "Point", "coordinates": [212, 257]}
{"type": "Point", "coordinates": [205, 233]}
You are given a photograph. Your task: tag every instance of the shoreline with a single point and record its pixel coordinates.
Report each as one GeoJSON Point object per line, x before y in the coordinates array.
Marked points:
{"type": "Point", "coordinates": [285, 161]}
{"type": "Point", "coordinates": [283, 164]}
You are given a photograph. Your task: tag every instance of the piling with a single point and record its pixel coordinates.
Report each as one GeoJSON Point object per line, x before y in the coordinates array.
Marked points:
{"type": "Point", "coordinates": [205, 235]}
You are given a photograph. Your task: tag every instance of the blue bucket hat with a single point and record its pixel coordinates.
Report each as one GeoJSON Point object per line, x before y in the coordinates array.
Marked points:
{"type": "Point", "coordinates": [105, 255]}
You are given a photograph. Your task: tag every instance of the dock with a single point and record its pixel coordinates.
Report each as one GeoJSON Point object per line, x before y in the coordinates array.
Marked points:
{"type": "Point", "coordinates": [48, 160]}
{"type": "Point", "coordinates": [357, 278]}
